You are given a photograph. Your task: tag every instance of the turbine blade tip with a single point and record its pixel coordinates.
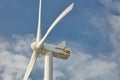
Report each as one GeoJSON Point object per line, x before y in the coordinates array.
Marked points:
{"type": "Point", "coordinates": [72, 4]}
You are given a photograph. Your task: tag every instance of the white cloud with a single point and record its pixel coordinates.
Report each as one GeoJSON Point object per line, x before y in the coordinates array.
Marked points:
{"type": "Point", "coordinates": [85, 67]}
{"type": "Point", "coordinates": [12, 64]}
{"type": "Point", "coordinates": [15, 53]}
{"type": "Point", "coordinates": [113, 23]}
{"type": "Point", "coordinates": [112, 6]}
{"type": "Point", "coordinates": [115, 32]}
{"type": "Point", "coordinates": [81, 65]}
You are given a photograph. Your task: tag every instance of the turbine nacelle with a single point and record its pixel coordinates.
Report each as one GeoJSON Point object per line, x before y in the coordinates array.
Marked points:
{"type": "Point", "coordinates": [58, 51]}
{"type": "Point", "coordinates": [40, 47]}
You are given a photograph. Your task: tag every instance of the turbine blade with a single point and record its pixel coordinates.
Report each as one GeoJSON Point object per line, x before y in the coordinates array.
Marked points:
{"type": "Point", "coordinates": [30, 65]}
{"type": "Point", "coordinates": [39, 23]}
{"type": "Point", "coordinates": [35, 54]}
{"type": "Point", "coordinates": [65, 12]}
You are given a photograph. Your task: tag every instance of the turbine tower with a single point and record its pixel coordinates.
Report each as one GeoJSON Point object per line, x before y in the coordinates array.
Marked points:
{"type": "Point", "coordinates": [49, 50]}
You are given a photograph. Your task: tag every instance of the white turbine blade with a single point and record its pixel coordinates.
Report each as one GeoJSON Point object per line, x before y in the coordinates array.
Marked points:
{"type": "Point", "coordinates": [39, 23]}
{"type": "Point", "coordinates": [35, 54]}
{"type": "Point", "coordinates": [30, 65]}
{"type": "Point", "coordinates": [66, 11]}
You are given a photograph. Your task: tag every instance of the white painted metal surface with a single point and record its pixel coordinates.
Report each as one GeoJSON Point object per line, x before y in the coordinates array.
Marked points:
{"type": "Point", "coordinates": [38, 45]}
{"type": "Point", "coordinates": [65, 12]}
{"type": "Point", "coordinates": [35, 54]}
{"type": "Point", "coordinates": [48, 68]}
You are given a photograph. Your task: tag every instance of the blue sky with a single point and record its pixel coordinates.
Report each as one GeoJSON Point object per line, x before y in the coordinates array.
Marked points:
{"type": "Point", "coordinates": [20, 17]}
{"type": "Point", "coordinates": [91, 30]}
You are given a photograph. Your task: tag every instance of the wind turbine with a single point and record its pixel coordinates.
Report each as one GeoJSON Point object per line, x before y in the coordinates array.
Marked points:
{"type": "Point", "coordinates": [49, 50]}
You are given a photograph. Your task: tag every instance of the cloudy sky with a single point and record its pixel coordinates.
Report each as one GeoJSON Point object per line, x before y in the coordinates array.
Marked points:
{"type": "Point", "coordinates": [91, 29]}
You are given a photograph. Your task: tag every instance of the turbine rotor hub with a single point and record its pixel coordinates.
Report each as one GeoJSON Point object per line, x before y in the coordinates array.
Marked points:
{"type": "Point", "coordinates": [34, 47]}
